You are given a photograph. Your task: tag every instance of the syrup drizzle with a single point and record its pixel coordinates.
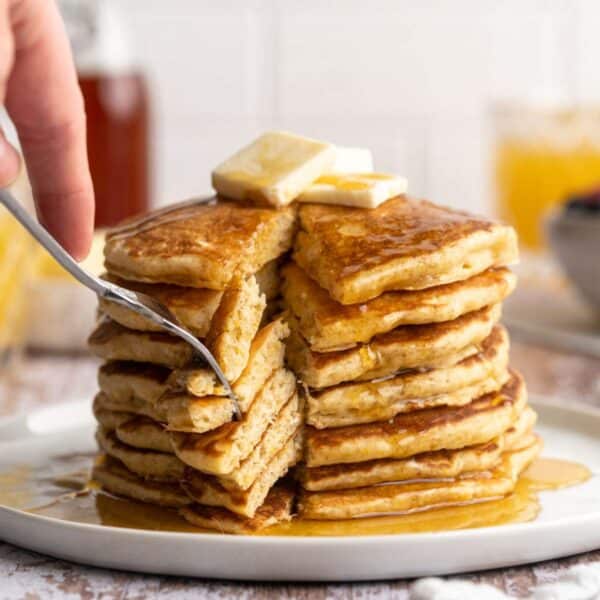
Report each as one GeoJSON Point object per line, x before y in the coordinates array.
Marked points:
{"type": "Point", "coordinates": [61, 489]}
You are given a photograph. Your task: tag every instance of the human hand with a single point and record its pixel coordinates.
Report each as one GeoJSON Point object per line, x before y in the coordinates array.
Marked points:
{"type": "Point", "coordinates": [38, 86]}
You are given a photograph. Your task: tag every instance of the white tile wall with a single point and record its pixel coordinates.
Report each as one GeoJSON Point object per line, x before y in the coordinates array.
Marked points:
{"type": "Point", "coordinates": [412, 80]}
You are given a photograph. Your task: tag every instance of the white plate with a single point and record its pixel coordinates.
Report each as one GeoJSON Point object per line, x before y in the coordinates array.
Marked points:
{"type": "Point", "coordinates": [569, 522]}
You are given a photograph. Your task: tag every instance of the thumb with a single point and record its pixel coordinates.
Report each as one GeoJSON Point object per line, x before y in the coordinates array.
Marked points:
{"type": "Point", "coordinates": [10, 163]}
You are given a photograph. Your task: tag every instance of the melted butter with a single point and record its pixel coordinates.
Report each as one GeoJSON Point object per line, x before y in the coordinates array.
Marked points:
{"type": "Point", "coordinates": [61, 489]}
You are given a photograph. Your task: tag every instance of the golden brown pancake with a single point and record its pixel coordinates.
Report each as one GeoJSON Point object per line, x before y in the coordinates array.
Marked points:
{"type": "Point", "coordinates": [382, 399]}
{"type": "Point", "coordinates": [441, 464]}
{"type": "Point", "coordinates": [110, 419]}
{"type": "Point", "coordinates": [114, 477]}
{"type": "Point", "coordinates": [194, 308]}
{"type": "Point", "coordinates": [144, 433]}
{"type": "Point", "coordinates": [408, 347]}
{"type": "Point", "coordinates": [204, 245]}
{"type": "Point", "coordinates": [149, 464]}
{"type": "Point", "coordinates": [112, 341]}
{"type": "Point", "coordinates": [410, 497]}
{"type": "Point", "coordinates": [276, 508]}
{"type": "Point", "coordinates": [221, 451]}
{"type": "Point", "coordinates": [127, 382]}
{"type": "Point", "coordinates": [404, 244]}
{"type": "Point", "coordinates": [133, 406]}
{"type": "Point", "coordinates": [443, 428]}
{"type": "Point", "coordinates": [233, 327]}
{"type": "Point", "coordinates": [185, 412]}
{"type": "Point", "coordinates": [328, 325]}
{"type": "Point", "coordinates": [265, 355]}
{"type": "Point", "coordinates": [209, 491]}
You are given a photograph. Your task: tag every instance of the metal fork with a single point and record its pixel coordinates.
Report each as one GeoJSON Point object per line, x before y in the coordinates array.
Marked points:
{"type": "Point", "coordinates": [142, 304]}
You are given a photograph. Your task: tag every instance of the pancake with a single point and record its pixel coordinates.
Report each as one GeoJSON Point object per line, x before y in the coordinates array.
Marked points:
{"type": "Point", "coordinates": [443, 428]}
{"type": "Point", "coordinates": [208, 490]}
{"type": "Point", "coordinates": [203, 245]}
{"type": "Point", "coordinates": [268, 280]}
{"type": "Point", "coordinates": [132, 406]}
{"type": "Point", "coordinates": [126, 382]}
{"type": "Point", "coordinates": [265, 355]}
{"type": "Point", "coordinates": [404, 244]}
{"type": "Point", "coordinates": [378, 400]}
{"type": "Point", "coordinates": [111, 341]}
{"type": "Point", "coordinates": [441, 464]}
{"type": "Point", "coordinates": [185, 412]}
{"type": "Point", "coordinates": [144, 433]}
{"type": "Point", "coordinates": [110, 419]}
{"type": "Point", "coordinates": [233, 327]}
{"type": "Point", "coordinates": [286, 423]}
{"type": "Point", "coordinates": [328, 325]}
{"type": "Point", "coordinates": [276, 508]}
{"type": "Point", "coordinates": [194, 308]}
{"type": "Point", "coordinates": [114, 477]}
{"type": "Point", "coordinates": [469, 488]}
{"type": "Point", "coordinates": [149, 464]}
{"type": "Point", "coordinates": [408, 347]}
{"type": "Point", "coordinates": [221, 451]}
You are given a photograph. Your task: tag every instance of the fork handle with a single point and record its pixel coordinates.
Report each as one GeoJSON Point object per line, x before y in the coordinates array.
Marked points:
{"type": "Point", "coordinates": [45, 239]}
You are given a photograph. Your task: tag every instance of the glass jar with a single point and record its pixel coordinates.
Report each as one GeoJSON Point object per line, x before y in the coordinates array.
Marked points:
{"type": "Point", "coordinates": [542, 156]}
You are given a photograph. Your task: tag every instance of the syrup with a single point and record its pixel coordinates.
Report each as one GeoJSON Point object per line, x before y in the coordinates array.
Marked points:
{"type": "Point", "coordinates": [61, 489]}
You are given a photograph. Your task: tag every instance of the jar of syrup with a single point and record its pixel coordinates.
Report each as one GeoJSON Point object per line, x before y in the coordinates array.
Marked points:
{"type": "Point", "coordinates": [117, 107]}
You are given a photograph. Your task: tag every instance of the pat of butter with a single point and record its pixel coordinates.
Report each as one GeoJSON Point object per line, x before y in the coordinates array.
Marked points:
{"type": "Point", "coordinates": [361, 190]}
{"type": "Point", "coordinates": [352, 160]}
{"type": "Point", "coordinates": [274, 169]}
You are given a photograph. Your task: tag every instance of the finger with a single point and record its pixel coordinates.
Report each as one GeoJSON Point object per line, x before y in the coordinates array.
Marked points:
{"type": "Point", "coordinates": [44, 102]}
{"type": "Point", "coordinates": [9, 162]}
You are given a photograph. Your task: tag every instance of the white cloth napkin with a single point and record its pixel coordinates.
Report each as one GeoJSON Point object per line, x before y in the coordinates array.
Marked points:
{"type": "Point", "coordinates": [578, 583]}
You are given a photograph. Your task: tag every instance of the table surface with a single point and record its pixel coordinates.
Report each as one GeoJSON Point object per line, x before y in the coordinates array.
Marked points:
{"type": "Point", "coordinates": [41, 380]}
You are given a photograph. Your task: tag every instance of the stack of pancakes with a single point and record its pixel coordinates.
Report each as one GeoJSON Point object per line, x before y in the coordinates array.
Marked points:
{"type": "Point", "coordinates": [410, 402]}
{"type": "Point", "coordinates": [391, 325]}
{"type": "Point", "coordinates": [166, 429]}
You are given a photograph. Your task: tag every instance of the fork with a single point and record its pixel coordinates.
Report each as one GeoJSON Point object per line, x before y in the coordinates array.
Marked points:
{"type": "Point", "coordinates": [142, 304]}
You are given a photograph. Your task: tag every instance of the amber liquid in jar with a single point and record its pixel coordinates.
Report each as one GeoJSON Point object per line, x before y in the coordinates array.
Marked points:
{"type": "Point", "coordinates": [117, 132]}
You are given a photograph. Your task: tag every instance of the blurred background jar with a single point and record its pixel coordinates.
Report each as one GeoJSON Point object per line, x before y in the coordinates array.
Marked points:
{"type": "Point", "coordinates": [544, 155]}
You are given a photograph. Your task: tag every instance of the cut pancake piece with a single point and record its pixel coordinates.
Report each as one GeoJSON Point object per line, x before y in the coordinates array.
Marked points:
{"type": "Point", "coordinates": [144, 433]}
{"type": "Point", "coordinates": [276, 508]}
{"type": "Point", "coordinates": [133, 406]}
{"type": "Point", "coordinates": [115, 478]}
{"type": "Point", "coordinates": [112, 341]}
{"type": "Point", "coordinates": [199, 244]}
{"type": "Point", "coordinates": [408, 347]}
{"type": "Point", "coordinates": [194, 308]}
{"type": "Point", "coordinates": [378, 400]}
{"type": "Point", "coordinates": [441, 464]}
{"type": "Point", "coordinates": [443, 428]}
{"type": "Point", "coordinates": [185, 412]}
{"type": "Point", "coordinates": [288, 421]}
{"type": "Point", "coordinates": [221, 451]}
{"type": "Point", "coordinates": [149, 464]}
{"type": "Point", "coordinates": [328, 325]}
{"type": "Point", "coordinates": [266, 354]}
{"type": "Point", "coordinates": [233, 327]}
{"type": "Point", "coordinates": [404, 244]}
{"type": "Point", "coordinates": [410, 497]}
{"type": "Point", "coordinates": [208, 490]}
{"type": "Point", "coordinates": [125, 382]}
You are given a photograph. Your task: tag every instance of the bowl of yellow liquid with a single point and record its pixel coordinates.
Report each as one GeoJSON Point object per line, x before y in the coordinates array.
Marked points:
{"type": "Point", "coordinates": [542, 157]}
